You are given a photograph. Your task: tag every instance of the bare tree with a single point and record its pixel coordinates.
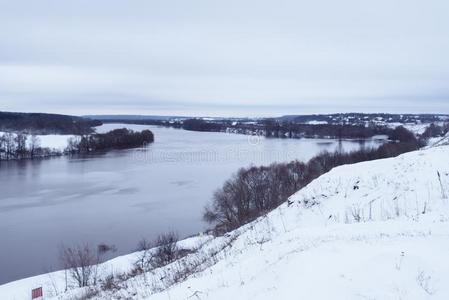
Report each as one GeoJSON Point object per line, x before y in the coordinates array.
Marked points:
{"type": "Point", "coordinates": [21, 145]}
{"type": "Point", "coordinates": [10, 145]}
{"type": "Point", "coordinates": [73, 145]}
{"type": "Point", "coordinates": [81, 262]}
{"type": "Point", "coordinates": [35, 144]}
{"type": "Point", "coordinates": [2, 147]}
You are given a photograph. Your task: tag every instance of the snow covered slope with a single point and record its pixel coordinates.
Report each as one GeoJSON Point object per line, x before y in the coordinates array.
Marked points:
{"type": "Point", "coordinates": [374, 230]}
{"type": "Point", "coordinates": [441, 141]}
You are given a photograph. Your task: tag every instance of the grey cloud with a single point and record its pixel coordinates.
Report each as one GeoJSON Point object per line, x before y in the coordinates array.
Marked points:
{"type": "Point", "coordinates": [224, 57]}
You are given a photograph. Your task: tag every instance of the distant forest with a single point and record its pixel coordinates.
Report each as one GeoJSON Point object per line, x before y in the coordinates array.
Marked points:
{"type": "Point", "coordinates": [338, 126]}
{"type": "Point", "coordinates": [363, 118]}
{"type": "Point", "coordinates": [271, 128]}
{"type": "Point", "coordinates": [268, 128]}
{"type": "Point", "coordinates": [43, 124]}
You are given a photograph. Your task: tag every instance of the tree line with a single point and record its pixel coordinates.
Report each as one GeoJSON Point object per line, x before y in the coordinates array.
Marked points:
{"type": "Point", "coordinates": [116, 139]}
{"type": "Point", "coordinates": [40, 123]}
{"type": "Point", "coordinates": [364, 118]}
{"type": "Point", "coordinates": [254, 191]}
{"type": "Point", "coordinates": [336, 126]}
{"type": "Point", "coordinates": [16, 146]}
{"type": "Point", "coordinates": [435, 130]}
{"type": "Point", "coordinates": [273, 128]}
{"type": "Point", "coordinates": [23, 146]}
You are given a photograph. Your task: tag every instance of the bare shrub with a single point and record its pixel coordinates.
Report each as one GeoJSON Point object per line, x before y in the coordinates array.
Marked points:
{"type": "Point", "coordinates": [143, 264]}
{"type": "Point", "coordinates": [111, 283]}
{"type": "Point", "coordinates": [425, 282]}
{"type": "Point", "coordinates": [253, 192]}
{"type": "Point", "coordinates": [166, 249]}
{"type": "Point", "coordinates": [82, 262]}
{"type": "Point", "coordinates": [185, 263]}
{"type": "Point", "coordinates": [161, 252]}
{"type": "Point", "coordinates": [356, 213]}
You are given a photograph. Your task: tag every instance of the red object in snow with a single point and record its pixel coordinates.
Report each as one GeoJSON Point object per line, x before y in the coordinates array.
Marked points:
{"type": "Point", "coordinates": [37, 293]}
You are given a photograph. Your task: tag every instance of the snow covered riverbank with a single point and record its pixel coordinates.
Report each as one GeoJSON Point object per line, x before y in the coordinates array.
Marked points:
{"type": "Point", "coordinates": [57, 142]}
{"type": "Point", "coordinates": [374, 230]}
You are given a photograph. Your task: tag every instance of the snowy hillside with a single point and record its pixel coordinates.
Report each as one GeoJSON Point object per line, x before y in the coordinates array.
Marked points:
{"type": "Point", "coordinates": [374, 230]}
{"type": "Point", "coordinates": [440, 141]}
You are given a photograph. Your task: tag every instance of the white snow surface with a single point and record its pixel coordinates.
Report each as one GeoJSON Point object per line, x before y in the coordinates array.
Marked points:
{"type": "Point", "coordinates": [56, 142]}
{"type": "Point", "coordinates": [441, 141]}
{"type": "Point", "coordinates": [417, 129]}
{"type": "Point", "coordinates": [317, 122]}
{"type": "Point", "coordinates": [373, 230]}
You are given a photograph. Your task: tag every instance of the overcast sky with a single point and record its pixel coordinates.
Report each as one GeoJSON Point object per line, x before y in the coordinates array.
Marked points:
{"type": "Point", "coordinates": [223, 58]}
